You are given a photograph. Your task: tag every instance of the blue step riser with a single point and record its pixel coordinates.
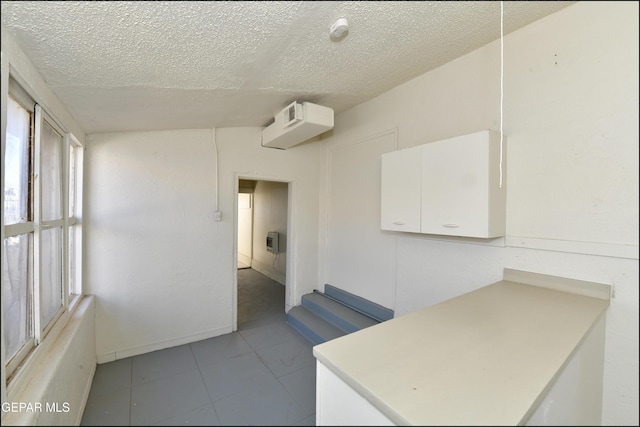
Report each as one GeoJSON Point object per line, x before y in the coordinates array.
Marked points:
{"type": "Point", "coordinates": [329, 316]}
{"type": "Point", "coordinates": [316, 333]}
{"type": "Point", "coordinates": [360, 304]}
{"type": "Point", "coordinates": [305, 330]}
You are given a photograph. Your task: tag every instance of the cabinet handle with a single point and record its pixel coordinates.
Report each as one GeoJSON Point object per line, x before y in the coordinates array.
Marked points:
{"type": "Point", "coordinates": [451, 225]}
{"type": "Point", "coordinates": [398, 222]}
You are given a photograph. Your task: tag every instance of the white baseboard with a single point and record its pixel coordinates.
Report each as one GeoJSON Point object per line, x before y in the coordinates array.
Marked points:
{"type": "Point", "coordinates": [244, 259]}
{"type": "Point", "coordinates": [269, 272]}
{"type": "Point", "coordinates": [134, 351]}
{"type": "Point", "coordinates": [85, 396]}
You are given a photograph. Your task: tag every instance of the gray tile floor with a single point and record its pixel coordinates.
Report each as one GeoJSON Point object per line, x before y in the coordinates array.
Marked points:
{"type": "Point", "coordinates": [263, 374]}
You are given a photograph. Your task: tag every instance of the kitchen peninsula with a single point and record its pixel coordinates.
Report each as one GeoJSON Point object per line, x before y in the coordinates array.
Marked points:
{"type": "Point", "coordinates": [528, 349]}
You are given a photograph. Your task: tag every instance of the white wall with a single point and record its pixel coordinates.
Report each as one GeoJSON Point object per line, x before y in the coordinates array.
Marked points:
{"type": "Point", "coordinates": [270, 214]}
{"type": "Point", "coordinates": [357, 254]}
{"type": "Point", "coordinates": [164, 275]}
{"type": "Point", "coordinates": [571, 121]}
{"type": "Point", "coordinates": [162, 269]}
{"type": "Point", "coordinates": [152, 245]}
{"type": "Point", "coordinates": [61, 368]}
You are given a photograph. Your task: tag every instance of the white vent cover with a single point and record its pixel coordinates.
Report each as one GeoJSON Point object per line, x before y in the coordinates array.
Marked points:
{"type": "Point", "coordinates": [297, 123]}
{"type": "Point", "coordinates": [291, 114]}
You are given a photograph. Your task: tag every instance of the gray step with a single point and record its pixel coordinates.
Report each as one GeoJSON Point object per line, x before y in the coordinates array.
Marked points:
{"type": "Point", "coordinates": [336, 313]}
{"type": "Point", "coordinates": [370, 308]}
{"type": "Point", "coordinates": [316, 329]}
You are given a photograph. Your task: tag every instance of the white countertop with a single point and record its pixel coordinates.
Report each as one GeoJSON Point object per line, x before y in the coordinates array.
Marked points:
{"type": "Point", "coordinates": [483, 358]}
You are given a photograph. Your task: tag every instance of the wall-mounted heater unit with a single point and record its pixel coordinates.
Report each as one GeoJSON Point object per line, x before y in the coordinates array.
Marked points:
{"type": "Point", "coordinates": [297, 123]}
{"type": "Point", "coordinates": [273, 242]}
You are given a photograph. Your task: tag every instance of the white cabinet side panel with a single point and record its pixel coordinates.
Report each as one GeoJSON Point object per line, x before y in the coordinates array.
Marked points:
{"type": "Point", "coordinates": [337, 404]}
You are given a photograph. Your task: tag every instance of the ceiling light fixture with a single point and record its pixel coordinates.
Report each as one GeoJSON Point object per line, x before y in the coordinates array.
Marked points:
{"type": "Point", "coordinates": [339, 29]}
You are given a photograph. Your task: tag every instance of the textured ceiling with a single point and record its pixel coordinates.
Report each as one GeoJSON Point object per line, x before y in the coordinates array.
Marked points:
{"type": "Point", "coordinates": [124, 66]}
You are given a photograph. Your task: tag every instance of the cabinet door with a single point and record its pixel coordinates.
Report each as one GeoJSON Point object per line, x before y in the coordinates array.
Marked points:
{"type": "Point", "coordinates": [400, 190]}
{"type": "Point", "coordinates": [455, 193]}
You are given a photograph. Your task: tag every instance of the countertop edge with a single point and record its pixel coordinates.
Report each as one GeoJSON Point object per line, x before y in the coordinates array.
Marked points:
{"type": "Point", "coordinates": [571, 286]}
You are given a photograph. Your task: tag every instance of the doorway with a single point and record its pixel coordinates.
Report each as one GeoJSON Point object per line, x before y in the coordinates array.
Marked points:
{"type": "Point", "coordinates": [262, 234]}
{"type": "Point", "coordinates": [245, 223]}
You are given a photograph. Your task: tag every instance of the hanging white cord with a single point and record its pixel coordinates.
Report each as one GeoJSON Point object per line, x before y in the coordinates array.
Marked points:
{"type": "Point", "coordinates": [215, 149]}
{"type": "Point", "coordinates": [501, 81]}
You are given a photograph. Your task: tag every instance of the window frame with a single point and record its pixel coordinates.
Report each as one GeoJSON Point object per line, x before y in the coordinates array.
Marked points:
{"type": "Point", "coordinates": [42, 326]}
{"type": "Point", "coordinates": [40, 337]}
{"type": "Point", "coordinates": [73, 215]}
{"type": "Point", "coordinates": [24, 228]}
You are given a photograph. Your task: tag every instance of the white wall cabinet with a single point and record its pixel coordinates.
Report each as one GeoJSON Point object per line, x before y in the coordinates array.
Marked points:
{"type": "Point", "coordinates": [461, 193]}
{"type": "Point", "coordinates": [401, 190]}
{"type": "Point", "coordinates": [453, 186]}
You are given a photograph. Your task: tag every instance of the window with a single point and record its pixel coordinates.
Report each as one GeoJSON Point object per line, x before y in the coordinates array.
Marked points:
{"type": "Point", "coordinates": [42, 178]}
{"type": "Point", "coordinates": [17, 278]}
{"type": "Point", "coordinates": [74, 216]}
